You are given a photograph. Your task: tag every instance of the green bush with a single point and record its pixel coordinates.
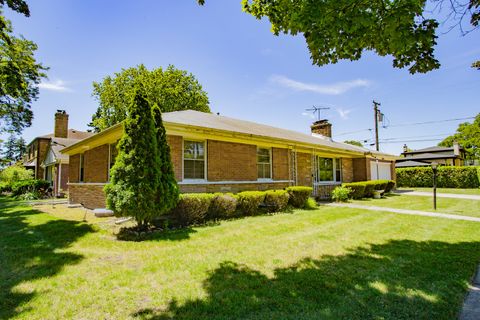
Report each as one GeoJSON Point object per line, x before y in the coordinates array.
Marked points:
{"type": "Point", "coordinates": [390, 186]}
{"type": "Point", "coordinates": [222, 206]}
{"type": "Point", "coordinates": [341, 194]}
{"type": "Point", "coordinates": [357, 189]}
{"type": "Point", "coordinates": [310, 204]}
{"type": "Point", "coordinates": [15, 173]}
{"type": "Point", "coordinates": [192, 208]}
{"type": "Point", "coordinates": [249, 201]}
{"type": "Point", "coordinates": [299, 195]}
{"type": "Point", "coordinates": [447, 177]}
{"type": "Point", "coordinates": [276, 200]}
{"type": "Point", "coordinates": [369, 189]}
{"type": "Point", "coordinates": [27, 186]}
{"type": "Point", "coordinates": [5, 187]}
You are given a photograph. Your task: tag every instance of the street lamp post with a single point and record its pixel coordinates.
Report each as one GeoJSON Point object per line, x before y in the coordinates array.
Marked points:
{"type": "Point", "coordinates": [434, 168]}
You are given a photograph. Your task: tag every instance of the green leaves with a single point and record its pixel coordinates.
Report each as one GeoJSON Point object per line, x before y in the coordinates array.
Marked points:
{"type": "Point", "coordinates": [344, 29]}
{"type": "Point", "coordinates": [468, 136]}
{"type": "Point", "coordinates": [20, 75]}
{"type": "Point", "coordinates": [171, 89]}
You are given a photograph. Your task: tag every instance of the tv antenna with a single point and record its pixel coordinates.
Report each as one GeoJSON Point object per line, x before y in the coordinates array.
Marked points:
{"type": "Point", "coordinates": [317, 110]}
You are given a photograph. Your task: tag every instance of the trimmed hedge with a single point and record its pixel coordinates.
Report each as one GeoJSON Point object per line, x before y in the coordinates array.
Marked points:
{"type": "Point", "coordinates": [341, 194]}
{"type": "Point", "coordinates": [249, 201]}
{"type": "Point", "coordinates": [447, 177]}
{"type": "Point", "coordinates": [299, 196]}
{"type": "Point", "coordinates": [365, 189]}
{"type": "Point", "coordinates": [276, 200]}
{"type": "Point", "coordinates": [223, 205]}
{"type": "Point", "coordinates": [358, 189]}
{"type": "Point", "coordinates": [192, 208]}
{"type": "Point", "coordinates": [28, 186]}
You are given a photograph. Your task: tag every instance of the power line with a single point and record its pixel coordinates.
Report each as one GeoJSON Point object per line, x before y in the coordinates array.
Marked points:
{"type": "Point", "coordinates": [415, 140]}
{"type": "Point", "coordinates": [351, 132]}
{"type": "Point", "coordinates": [425, 136]}
{"type": "Point", "coordinates": [428, 122]}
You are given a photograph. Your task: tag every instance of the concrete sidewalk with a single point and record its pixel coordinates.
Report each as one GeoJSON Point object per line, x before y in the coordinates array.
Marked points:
{"type": "Point", "coordinates": [471, 305]}
{"type": "Point", "coordinates": [405, 211]}
{"type": "Point", "coordinates": [440, 195]}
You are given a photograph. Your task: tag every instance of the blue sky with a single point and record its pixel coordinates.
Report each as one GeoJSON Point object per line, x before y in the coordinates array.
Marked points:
{"type": "Point", "coordinates": [247, 72]}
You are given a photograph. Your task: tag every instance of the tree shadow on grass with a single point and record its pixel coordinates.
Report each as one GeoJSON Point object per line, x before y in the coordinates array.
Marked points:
{"type": "Point", "coordinates": [401, 279]}
{"type": "Point", "coordinates": [29, 246]}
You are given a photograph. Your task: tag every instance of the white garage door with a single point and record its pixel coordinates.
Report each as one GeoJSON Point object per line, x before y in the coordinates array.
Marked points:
{"type": "Point", "coordinates": [380, 170]}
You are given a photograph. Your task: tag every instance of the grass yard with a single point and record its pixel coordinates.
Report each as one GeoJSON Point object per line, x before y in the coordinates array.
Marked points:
{"type": "Point", "coordinates": [330, 263]}
{"type": "Point", "coordinates": [475, 191]}
{"type": "Point", "coordinates": [463, 207]}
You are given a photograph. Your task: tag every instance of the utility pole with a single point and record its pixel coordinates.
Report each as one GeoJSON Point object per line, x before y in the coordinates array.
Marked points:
{"type": "Point", "coordinates": [376, 112]}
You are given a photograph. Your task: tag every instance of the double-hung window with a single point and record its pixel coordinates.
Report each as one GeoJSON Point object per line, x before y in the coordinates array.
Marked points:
{"type": "Point", "coordinates": [193, 160]}
{"type": "Point", "coordinates": [329, 170]}
{"type": "Point", "coordinates": [264, 163]}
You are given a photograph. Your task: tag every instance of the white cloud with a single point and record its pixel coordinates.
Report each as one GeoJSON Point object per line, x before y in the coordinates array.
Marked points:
{"type": "Point", "coordinates": [58, 85]}
{"type": "Point", "coordinates": [343, 113]}
{"type": "Point", "coordinates": [330, 89]}
{"type": "Point", "coordinates": [308, 114]}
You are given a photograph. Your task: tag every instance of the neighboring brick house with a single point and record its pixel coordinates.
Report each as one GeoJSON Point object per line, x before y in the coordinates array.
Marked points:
{"type": "Point", "coordinates": [447, 156]}
{"type": "Point", "coordinates": [213, 153]}
{"type": "Point", "coordinates": [43, 155]}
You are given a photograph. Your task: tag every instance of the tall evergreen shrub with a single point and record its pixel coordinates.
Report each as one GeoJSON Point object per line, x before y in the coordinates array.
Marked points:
{"type": "Point", "coordinates": [138, 187]}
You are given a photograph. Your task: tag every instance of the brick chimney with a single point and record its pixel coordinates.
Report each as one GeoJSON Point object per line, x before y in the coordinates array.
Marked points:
{"type": "Point", "coordinates": [61, 124]}
{"type": "Point", "coordinates": [322, 127]}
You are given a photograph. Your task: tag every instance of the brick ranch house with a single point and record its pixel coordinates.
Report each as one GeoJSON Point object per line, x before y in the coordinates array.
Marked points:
{"type": "Point", "coordinates": [213, 153]}
{"type": "Point", "coordinates": [43, 155]}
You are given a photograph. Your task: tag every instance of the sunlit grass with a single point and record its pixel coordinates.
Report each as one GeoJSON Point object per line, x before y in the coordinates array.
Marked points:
{"type": "Point", "coordinates": [332, 263]}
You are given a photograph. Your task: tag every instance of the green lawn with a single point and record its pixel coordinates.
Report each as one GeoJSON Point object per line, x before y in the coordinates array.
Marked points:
{"type": "Point", "coordinates": [475, 191]}
{"type": "Point", "coordinates": [330, 263]}
{"type": "Point", "coordinates": [464, 207]}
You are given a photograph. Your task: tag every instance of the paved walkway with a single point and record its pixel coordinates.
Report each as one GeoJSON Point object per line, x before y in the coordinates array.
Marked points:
{"type": "Point", "coordinates": [405, 211]}
{"type": "Point", "coordinates": [471, 305]}
{"type": "Point", "coordinates": [440, 195]}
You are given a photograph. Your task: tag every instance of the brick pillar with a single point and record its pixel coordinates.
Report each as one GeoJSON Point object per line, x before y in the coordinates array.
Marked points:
{"type": "Point", "coordinates": [322, 127]}
{"type": "Point", "coordinates": [61, 124]}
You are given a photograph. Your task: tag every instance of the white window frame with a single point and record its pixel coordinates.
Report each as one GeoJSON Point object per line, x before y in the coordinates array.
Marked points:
{"type": "Point", "coordinates": [334, 171]}
{"type": "Point", "coordinates": [205, 162]}
{"type": "Point", "coordinates": [271, 163]}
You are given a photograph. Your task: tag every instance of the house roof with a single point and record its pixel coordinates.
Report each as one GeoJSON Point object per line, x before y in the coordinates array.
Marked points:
{"type": "Point", "coordinates": [72, 134]}
{"type": "Point", "coordinates": [431, 149]}
{"type": "Point", "coordinates": [411, 163]}
{"type": "Point", "coordinates": [201, 120]}
{"type": "Point", "coordinates": [57, 144]}
{"type": "Point", "coordinates": [427, 156]}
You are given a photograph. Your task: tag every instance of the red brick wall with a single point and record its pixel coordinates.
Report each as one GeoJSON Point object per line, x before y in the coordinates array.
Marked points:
{"type": "Point", "coordinates": [176, 150]}
{"type": "Point", "coordinates": [74, 168]}
{"type": "Point", "coordinates": [304, 169]}
{"type": "Point", "coordinates": [42, 154]}
{"type": "Point", "coordinates": [280, 164]}
{"type": "Point", "coordinates": [64, 177]}
{"type": "Point", "coordinates": [360, 169]}
{"type": "Point", "coordinates": [91, 196]}
{"type": "Point", "coordinates": [347, 170]}
{"type": "Point", "coordinates": [227, 161]}
{"type": "Point", "coordinates": [96, 164]}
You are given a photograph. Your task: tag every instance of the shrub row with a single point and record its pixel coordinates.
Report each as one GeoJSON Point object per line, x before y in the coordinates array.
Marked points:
{"type": "Point", "coordinates": [365, 189]}
{"type": "Point", "coordinates": [199, 207]}
{"type": "Point", "coordinates": [39, 187]}
{"type": "Point", "coordinates": [447, 177]}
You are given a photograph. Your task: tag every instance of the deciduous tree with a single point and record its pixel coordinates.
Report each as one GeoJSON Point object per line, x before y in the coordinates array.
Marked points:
{"type": "Point", "coordinates": [20, 74]}
{"type": "Point", "coordinates": [344, 29]}
{"type": "Point", "coordinates": [468, 136]}
{"type": "Point", "coordinates": [171, 89]}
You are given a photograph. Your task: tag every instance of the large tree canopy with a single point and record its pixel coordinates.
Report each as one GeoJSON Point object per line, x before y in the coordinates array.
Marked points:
{"type": "Point", "coordinates": [20, 74]}
{"type": "Point", "coordinates": [468, 136]}
{"type": "Point", "coordinates": [344, 29]}
{"type": "Point", "coordinates": [171, 89]}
